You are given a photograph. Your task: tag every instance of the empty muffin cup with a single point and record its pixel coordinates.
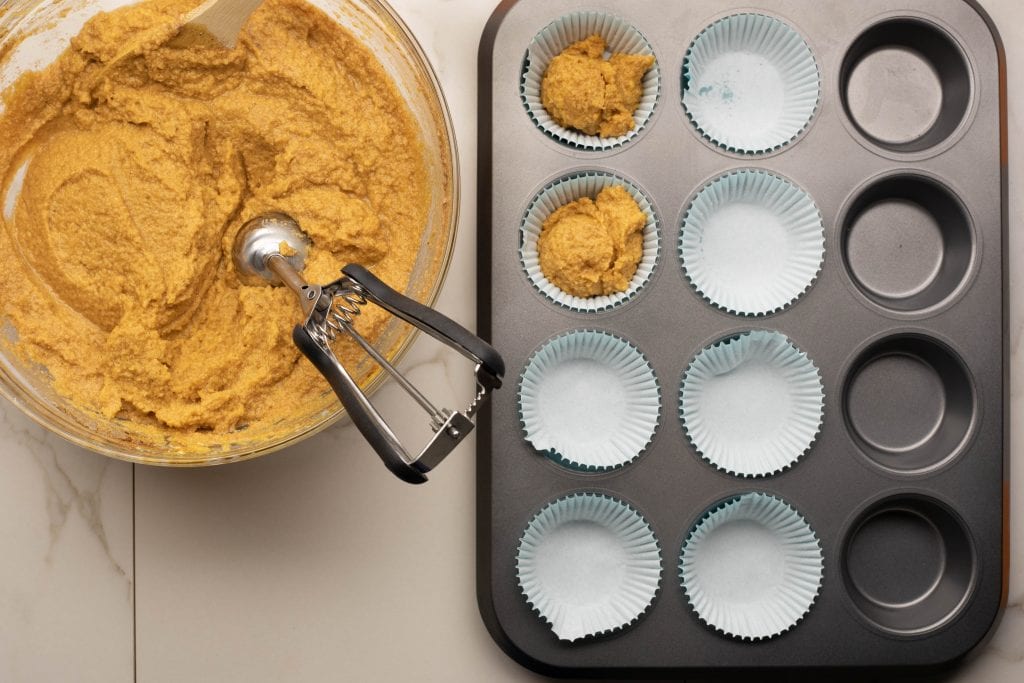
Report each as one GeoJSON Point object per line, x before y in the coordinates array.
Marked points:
{"type": "Point", "coordinates": [752, 567]}
{"type": "Point", "coordinates": [620, 37]}
{"type": "Point", "coordinates": [907, 243]}
{"type": "Point", "coordinates": [565, 191]}
{"type": "Point", "coordinates": [588, 565]}
{"type": "Point", "coordinates": [750, 83]}
{"type": "Point", "coordinates": [590, 401]}
{"type": "Point", "coordinates": [752, 243]}
{"type": "Point", "coordinates": [752, 405]}
{"type": "Point", "coordinates": [909, 404]}
{"type": "Point", "coordinates": [908, 565]}
{"type": "Point", "coordinates": [906, 85]}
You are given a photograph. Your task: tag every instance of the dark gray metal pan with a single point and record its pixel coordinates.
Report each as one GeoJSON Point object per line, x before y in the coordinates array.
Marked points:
{"type": "Point", "coordinates": [897, 520]}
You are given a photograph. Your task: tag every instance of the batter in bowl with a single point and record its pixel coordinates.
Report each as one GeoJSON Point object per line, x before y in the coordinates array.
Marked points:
{"type": "Point", "coordinates": [136, 174]}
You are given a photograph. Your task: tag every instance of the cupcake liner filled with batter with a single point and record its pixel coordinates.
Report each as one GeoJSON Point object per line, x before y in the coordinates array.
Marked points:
{"type": "Point", "coordinates": [750, 83]}
{"type": "Point", "coordinates": [590, 401]}
{"type": "Point", "coordinates": [620, 38]}
{"type": "Point", "coordinates": [752, 405]}
{"type": "Point", "coordinates": [588, 564]}
{"type": "Point", "coordinates": [752, 243]}
{"type": "Point", "coordinates": [589, 186]}
{"type": "Point", "coordinates": [752, 567]}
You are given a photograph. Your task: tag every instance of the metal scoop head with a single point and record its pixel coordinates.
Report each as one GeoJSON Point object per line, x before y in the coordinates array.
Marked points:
{"type": "Point", "coordinates": [271, 234]}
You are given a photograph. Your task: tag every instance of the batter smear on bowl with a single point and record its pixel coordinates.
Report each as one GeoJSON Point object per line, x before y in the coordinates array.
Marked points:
{"type": "Point", "coordinates": [131, 177]}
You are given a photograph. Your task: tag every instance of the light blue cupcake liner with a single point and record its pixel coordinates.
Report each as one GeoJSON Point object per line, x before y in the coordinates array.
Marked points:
{"type": "Point", "coordinates": [589, 565]}
{"type": "Point", "coordinates": [590, 401]}
{"type": "Point", "coordinates": [565, 191]}
{"type": "Point", "coordinates": [750, 83]}
{"type": "Point", "coordinates": [752, 243]}
{"type": "Point", "coordinates": [752, 568]}
{"type": "Point", "coordinates": [752, 405]}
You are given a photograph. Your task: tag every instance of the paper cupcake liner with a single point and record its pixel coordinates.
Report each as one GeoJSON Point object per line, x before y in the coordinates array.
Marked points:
{"type": "Point", "coordinates": [565, 191]}
{"type": "Point", "coordinates": [750, 83]}
{"type": "Point", "coordinates": [588, 565]}
{"type": "Point", "coordinates": [752, 568]}
{"type": "Point", "coordinates": [590, 401]}
{"type": "Point", "coordinates": [752, 405]}
{"type": "Point", "coordinates": [621, 37]}
{"type": "Point", "coordinates": [752, 243]}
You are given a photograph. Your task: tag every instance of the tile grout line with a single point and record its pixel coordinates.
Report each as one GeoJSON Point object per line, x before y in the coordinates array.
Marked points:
{"type": "Point", "coordinates": [135, 611]}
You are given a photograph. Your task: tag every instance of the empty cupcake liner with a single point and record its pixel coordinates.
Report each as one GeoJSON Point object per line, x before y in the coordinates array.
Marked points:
{"type": "Point", "coordinates": [750, 83]}
{"type": "Point", "coordinates": [590, 401]}
{"type": "Point", "coordinates": [588, 565]}
{"type": "Point", "coordinates": [752, 243]}
{"type": "Point", "coordinates": [752, 405]}
{"type": "Point", "coordinates": [565, 191]}
{"type": "Point", "coordinates": [620, 37]}
{"type": "Point", "coordinates": [752, 568]}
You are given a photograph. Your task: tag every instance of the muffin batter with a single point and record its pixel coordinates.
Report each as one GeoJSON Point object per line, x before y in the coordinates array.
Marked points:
{"type": "Point", "coordinates": [584, 91]}
{"type": "Point", "coordinates": [593, 248]}
{"type": "Point", "coordinates": [137, 176]}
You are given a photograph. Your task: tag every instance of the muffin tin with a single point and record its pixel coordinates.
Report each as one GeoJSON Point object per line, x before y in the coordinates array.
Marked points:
{"type": "Point", "coordinates": [901, 492]}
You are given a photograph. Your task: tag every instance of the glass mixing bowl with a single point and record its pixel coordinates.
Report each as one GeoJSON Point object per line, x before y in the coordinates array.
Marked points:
{"type": "Point", "coordinates": [34, 32]}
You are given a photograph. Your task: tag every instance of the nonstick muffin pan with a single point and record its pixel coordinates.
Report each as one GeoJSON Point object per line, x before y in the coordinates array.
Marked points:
{"type": "Point", "coordinates": [792, 431]}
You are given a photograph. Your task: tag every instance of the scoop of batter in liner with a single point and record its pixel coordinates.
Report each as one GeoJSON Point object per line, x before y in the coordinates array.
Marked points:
{"type": "Point", "coordinates": [593, 247]}
{"type": "Point", "coordinates": [584, 91]}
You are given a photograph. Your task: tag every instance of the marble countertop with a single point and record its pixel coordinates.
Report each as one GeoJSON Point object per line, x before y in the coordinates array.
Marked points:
{"type": "Point", "coordinates": [317, 564]}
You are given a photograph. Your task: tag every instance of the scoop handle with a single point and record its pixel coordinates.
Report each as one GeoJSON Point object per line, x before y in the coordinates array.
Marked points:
{"type": "Point", "coordinates": [491, 365]}
{"type": "Point", "coordinates": [370, 423]}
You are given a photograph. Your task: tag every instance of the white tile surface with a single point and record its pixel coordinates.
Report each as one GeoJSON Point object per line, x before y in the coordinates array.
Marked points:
{"type": "Point", "coordinates": [65, 559]}
{"type": "Point", "coordinates": [316, 564]}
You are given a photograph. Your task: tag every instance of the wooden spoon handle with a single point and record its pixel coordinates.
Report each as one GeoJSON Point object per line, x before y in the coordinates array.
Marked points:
{"type": "Point", "coordinates": [223, 19]}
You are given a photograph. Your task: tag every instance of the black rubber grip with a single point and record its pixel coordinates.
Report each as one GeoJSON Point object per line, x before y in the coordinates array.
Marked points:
{"type": "Point", "coordinates": [357, 407]}
{"type": "Point", "coordinates": [441, 327]}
